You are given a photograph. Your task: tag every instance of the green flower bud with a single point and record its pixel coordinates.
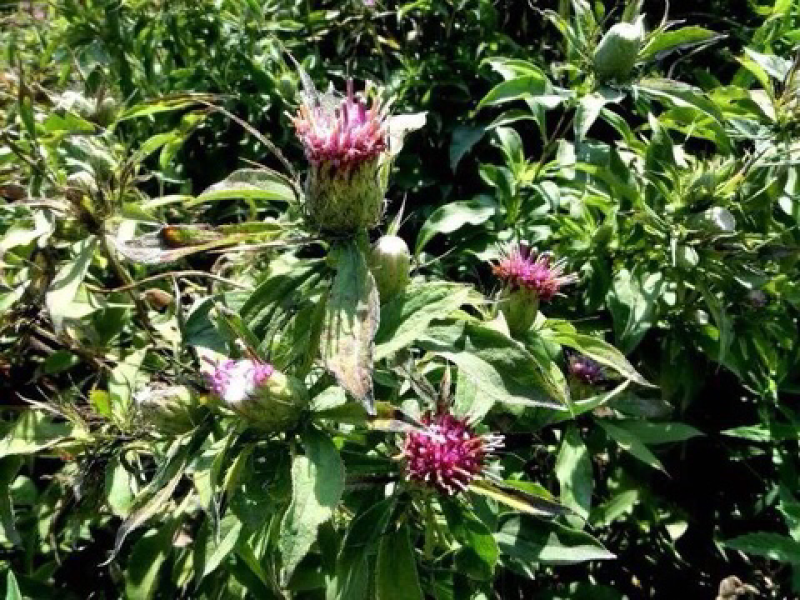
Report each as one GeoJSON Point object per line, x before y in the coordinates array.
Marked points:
{"type": "Point", "coordinates": [616, 54]}
{"type": "Point", "coordinates": [390, 263]}
{"type": "Point", "coordinates": [171, 410]}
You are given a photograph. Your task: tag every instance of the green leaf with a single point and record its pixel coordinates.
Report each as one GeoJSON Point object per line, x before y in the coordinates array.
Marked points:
{"type": "Point", "coordinates": [146, 560]}
{"type": "Point", "coordinates": [502, 368]}
{"type": "Point", "coordinates": [317, 486]}
{"type": "Point", "coordinates": [453, 216]}
{"type": "Point", "coordinates": [396, 575]}
{"type": "Point", "coordinates": [12, 587]}
{"type": "Point", "coordinates": [248, 184]}
{"type": "Point", "coordinates": [574, 473]}
{"type": "Point", "coordinates": [407, 317]}
{"type": "Point", "coordinates": [365, 530]}
{"type": "Point", "coordinates": [519, 88]}
{"type": "Point", "coordinates": [69, 278]}
{"type": "Point", "coordinates": [221, 545]}
{"type": "Point", "coordinates": [653, 432]}
{"type": "Point", "coordinates": [351, 319]}
{"type": "Point", "coordinates": [464, 138]}
{"type": "Point", "coordinates": [769, 545]}
{"type": "Point", "coordinates": [665, 42]}
{"type": "Point", "coordinates": [153, 498]}
{"type": "Point", "coordinates": [9, 467]}
{"type": "Point", "coordinates": [530, 540]}
{"type": "Point", "coordinates": [633, 301]}
{"type": "Point", "coordinates": [33, 432]}
{"type": "Point", "coordinates": [590, 107]}
{"type": "Point", "coordinates": [631, 444]}
{"type": "Point", "coordinates": [478, 554]}
{"type": "Point", "coordinates": [278, 293]}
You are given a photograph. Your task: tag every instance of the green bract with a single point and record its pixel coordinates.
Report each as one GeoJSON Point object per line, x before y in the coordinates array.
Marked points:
{"type": "Point", "coordinates": [344, 200]}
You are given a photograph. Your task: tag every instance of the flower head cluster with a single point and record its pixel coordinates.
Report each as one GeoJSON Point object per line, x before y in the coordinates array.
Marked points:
{"type": "Point", "coordinates": [234, 381]}
{"type": "Point", "coordinates": [586, 370]}
{"type": "Point", "coordinates": [520, 268]}
{"type": "Point", "coordinates": [447, 455]}
{"type": "Point", "coordinates": [341, 132]}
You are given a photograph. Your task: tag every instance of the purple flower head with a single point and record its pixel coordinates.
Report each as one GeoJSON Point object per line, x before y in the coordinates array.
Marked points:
{"type": "Point", "coordinates": [447, 455]}
{"type": "Point", "coordinates": [339, 131]}
{"type": "Point", "coordinates": [234, 381]}
{"type": "Point", "coordinates": [586, 370]}
{"type": "Point", "coordinates": [521, 268]}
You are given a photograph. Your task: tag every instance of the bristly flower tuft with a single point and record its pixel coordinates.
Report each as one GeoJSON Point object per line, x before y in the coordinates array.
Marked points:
{"type": "Point", "coordinates": [343, 133]}
{"type": "Point", "coordinates": [446, 454]}
{"type": "Point", "coordinates": [521, 268]}
{"type": "Point", "coordinates": [586, 370]}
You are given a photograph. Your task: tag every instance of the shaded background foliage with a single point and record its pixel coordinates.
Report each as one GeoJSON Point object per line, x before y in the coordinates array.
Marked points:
{"type": "Point", "coordinates": [668, 530]}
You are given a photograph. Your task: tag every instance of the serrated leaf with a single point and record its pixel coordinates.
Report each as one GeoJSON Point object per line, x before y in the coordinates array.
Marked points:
{"type": "Point", "coordinates": [407, 317]}
{"type": "Point", "coordinates": [317, 484]}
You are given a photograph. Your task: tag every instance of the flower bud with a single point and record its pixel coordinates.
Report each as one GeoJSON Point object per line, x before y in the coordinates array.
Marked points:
{"type": "Point", "coordinates": [259, 393]}
{"type": "Point", "coordinates": [172, 410]}
{"type": "Point", "coordinates": [616, 54]}
{"type": "Point", "coordinates": [390, 263]}
{"type": "Point", "coordinates": [584, 375]}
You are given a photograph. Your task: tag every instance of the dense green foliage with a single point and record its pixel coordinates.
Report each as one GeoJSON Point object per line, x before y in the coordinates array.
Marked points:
{"type": "Point", "coordinates": [159, 215]}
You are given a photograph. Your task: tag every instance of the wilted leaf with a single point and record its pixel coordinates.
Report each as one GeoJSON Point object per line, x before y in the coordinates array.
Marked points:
{"type": "Point", "coordinates": [351, 320]}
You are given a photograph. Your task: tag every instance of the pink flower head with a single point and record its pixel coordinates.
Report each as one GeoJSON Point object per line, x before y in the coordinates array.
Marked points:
{"type": "Point", "coordinates": [522, 269]}
{"type": "Point", "coordinates": [447, 455]}
{"type": "Point", "coordinates": [585, 369]}
{"type": "Point", "coordinates": [342, 132]}
{"type": "Point", "coordinates": [234, 381]}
